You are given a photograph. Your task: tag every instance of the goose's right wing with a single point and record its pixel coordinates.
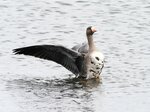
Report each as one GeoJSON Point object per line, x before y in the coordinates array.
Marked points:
{"type": "Point", "coordinates": [58, 54]}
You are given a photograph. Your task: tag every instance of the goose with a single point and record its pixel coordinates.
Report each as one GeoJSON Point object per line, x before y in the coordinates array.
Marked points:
{"type": "Point", "coordinates": [84, 60]}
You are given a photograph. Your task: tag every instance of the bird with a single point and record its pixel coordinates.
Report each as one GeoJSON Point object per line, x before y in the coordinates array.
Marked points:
{"type": "Point", "coordinates": [84, 60]}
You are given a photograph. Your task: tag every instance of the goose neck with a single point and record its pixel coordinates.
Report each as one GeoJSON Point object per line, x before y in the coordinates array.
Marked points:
{"type": "Point", "coordinates": [90, 42]}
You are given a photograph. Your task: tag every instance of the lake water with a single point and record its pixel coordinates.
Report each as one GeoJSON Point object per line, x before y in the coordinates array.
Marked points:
{"type": "Point", "coordinates": [30, 84]}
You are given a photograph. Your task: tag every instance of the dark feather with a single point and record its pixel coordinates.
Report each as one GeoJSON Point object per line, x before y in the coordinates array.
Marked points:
{"type": "Point", "coordinates": [58, 54]}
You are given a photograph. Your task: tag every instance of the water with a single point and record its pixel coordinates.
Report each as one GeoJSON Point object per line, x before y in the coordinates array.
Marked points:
{"type": "Point", "coordinates": [33, 85]}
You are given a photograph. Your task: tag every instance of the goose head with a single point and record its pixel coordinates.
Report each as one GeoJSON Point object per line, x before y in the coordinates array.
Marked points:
{"type": "Point", "coordinates": [90, 30]}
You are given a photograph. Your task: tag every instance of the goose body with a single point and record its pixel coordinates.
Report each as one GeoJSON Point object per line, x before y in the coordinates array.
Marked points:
{"type": "Point", "coordinates": [95, 64]}
{"type": "Point", "coordinates": [84, 60]}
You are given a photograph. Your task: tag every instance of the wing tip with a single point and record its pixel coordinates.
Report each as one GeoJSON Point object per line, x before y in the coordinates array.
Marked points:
{"type": "Point", "coordinates": [17, 51]}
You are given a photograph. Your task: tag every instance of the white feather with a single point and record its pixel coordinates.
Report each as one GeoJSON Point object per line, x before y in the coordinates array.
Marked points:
{"type": "Point", "coordinates": [95, 65]}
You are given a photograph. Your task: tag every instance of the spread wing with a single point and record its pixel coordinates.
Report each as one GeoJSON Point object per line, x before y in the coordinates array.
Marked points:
{"type": "Point", "coordinates": [58, 54]}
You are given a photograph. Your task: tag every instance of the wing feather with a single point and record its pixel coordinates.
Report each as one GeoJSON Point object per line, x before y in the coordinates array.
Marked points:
{"type": "Point", "coordinates": [58, 54]}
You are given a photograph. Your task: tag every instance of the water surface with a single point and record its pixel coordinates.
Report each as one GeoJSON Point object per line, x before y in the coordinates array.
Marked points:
{"type": "Point", "coordinates": [33, 85]}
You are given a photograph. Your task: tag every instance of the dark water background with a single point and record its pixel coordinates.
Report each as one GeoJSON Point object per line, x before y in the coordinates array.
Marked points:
{"type": "Point", "coordinates": [29, 84]}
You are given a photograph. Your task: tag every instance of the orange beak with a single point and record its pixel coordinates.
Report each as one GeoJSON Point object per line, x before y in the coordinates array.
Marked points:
{"type": "Point", "coordinates": [93, 29]}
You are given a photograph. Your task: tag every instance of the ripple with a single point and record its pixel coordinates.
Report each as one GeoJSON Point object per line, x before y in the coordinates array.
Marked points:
{"type": "Point", "coordinates": [64, 3]}
{"type": "Point", "coordinates": [81, 1]}
{"type": "Point", "coordinates": [39, 90]}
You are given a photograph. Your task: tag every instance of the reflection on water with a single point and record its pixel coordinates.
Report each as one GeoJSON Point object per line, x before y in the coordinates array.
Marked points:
{"type": "Point", "coordinates": [77, 91]}
{"type": "Point", "coordinates": [71, 83]}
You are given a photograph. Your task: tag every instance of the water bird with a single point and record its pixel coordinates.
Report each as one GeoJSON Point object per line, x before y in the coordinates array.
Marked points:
{"type": "Point", "coordinates": [84, 60]}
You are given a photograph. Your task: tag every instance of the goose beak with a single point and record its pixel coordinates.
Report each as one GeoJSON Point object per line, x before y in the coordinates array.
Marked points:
{"type": "Point", "coordinates": [93, 29]}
